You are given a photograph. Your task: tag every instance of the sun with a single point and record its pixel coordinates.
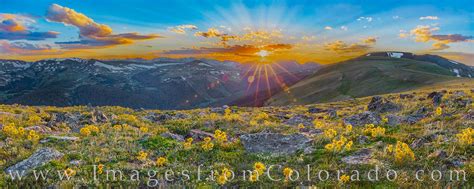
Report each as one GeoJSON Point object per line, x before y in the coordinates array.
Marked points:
{"type": "Point", "coordinates": [262, 53]}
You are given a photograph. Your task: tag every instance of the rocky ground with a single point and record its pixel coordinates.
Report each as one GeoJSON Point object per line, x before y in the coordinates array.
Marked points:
{"type": "Point", "coordinates": [429, 130]}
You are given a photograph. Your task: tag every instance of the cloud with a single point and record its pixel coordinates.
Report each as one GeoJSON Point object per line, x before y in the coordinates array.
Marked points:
{"type": "Point", "coordinates": [368, 19]}
{"type": "Point", "coordinates": [308, 38]}
{"type": "Point", "coordinates": [429, 18]}
{"type": "Point", "coordinates": [425, 34]}
{"type": "Point", "coordinates": [237, 50]}
{"type": "Point", "coordinates": [370, 40]}
{"type": "Point", "coordinates": [249, 35]}
{"type": "Point", "coordinates": [15, 27]}
{"type": "Point", "coordinates": [91, 34]}
{"type": "Point", "coordinates": [181, 29]}
{"type": "Point", "coordinates": [24, 48]}
{"type": "Point", "coordinates": [341, 47]}
{"type": "Point", "coordinates": [344, 28]}
{"type": "Point", "coordinates": [211, 32]}
{"type": "Point", "coordinates": [328, 28]}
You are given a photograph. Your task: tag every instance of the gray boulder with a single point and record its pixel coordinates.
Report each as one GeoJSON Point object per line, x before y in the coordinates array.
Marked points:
{"type": "Point", "coordinates": [275, 143]}
{"type": "Point", "coordinates": [361, 157]}
{"type": "Point", "coordinates": [332, 113]}
{"type": "Point", "coordinates": [37, 159]}
{"type": "Point", "coordinates": [382, 105]}
{"type": "Point", "coordinates": [199, 135]}
{"type": "Point", "coordinates": [436, 98]}
{"type": "Point", "coordinates": [176, 137]}
{"type": "Point", "coordinates": [314, 110]}
{"type": "Point", "coordinates": [73, 120]}
{"type": "Point", "coordinates": [297, 119]}
{"type": "Point", "coordinates": [363, 118]}
{"type": "Point", "coordinates": [394, 120]}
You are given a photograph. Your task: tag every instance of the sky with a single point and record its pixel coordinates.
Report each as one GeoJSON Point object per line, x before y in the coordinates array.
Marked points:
{"type": "Point", "coordinates": [243, 31]}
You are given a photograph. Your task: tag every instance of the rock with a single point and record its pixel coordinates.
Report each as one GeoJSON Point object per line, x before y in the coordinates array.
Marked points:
{"type": "Point", "coordinates": [197, 134]}
{"type": "Point", "coordinates": [176, 137]}
{"type": "Point", "coordinates": [308, 150]}
{"type": "Point", "coordinates": [219, 110]}
{"type": "Point", "coordinates": [274, 143]}
{"type": "Point", "coordinates": [406, 96]}
{"type": "Point", "coordinates": [312, 132]}
{"type": "Point", "coordinates": [315, 110]}
{"type": "Point", "coordinates": [469, 115]}
{"type": "Point", "coordinates": [438, 154]}
{"type": "Point", "coordinates": [332, 113]}
{"type": "Point", "coordinates": [361, 157]}
{"type": "Point", "coordinates": [297, 119]}
{"type": "Point", "coordinates": [394, 120]}
{"type": "Point", "coordinates": [455, 163]}
{"type": "Point", "coordinates": [362, 139]}
{"type": "Point", "coordinates": [436, 98]}
{"type": "Point", "coordinates": [462, 103]}
{"type": "Point", "coordinates": [60, 138]}
{"type": "Point", "coordinates": [412, 119]}
{"type": "Point", "coordinates": [418, 143]}
{"type": "Point", "coordinates": [75, 162]}
{"type": "Point", "coordinates": [363, 118]}
{"type": "Point", "coordinates": [37, 159]}
{"type": "Point", "coordinates": [180, 116]}
{"type": "Point", "coordinates": [459, 93]}
{"type": "Point", "coordinates": [416, 116]}
{"type": "Point", "coordinates": [382, 105]}
{"type": "Point", "coordinates": [73, 120]}
{"type": "Point", "coordinates": [39, 129]}
{"type": "Point", "coordinates": [98, 117]}
{"type": "Point", "coordinates": [158, 118]}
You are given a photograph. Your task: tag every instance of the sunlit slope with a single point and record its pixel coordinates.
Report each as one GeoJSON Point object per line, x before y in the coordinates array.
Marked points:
{"type": "Point", "coordinates": [364, 76]}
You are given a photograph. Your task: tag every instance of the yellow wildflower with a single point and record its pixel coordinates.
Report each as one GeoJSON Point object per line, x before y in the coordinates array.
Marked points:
{"type": "Point", "coordinates": [439, 111]}
{"type": "Point", "coordinates": [330, 133]}
{"type": "Point", "coordinates": [259, 167]}
{"type": "Point", "coordinates": [142, 156]}
{"type": "Point", "coordinates": [161, 161]}
{"type": "Point", "coordinates": [465, 137]}
{"type": "Point", "coordinates": [300, 126]}
{"type": "Point", "coordinates": [69, 172]}
{"type": "Point", "coordinates": [144, 129]}
{"type": "Point", "coordinates": [348, 128]}
{"type": "Point", "coordinates": [344, 178]}
{"type": "Point", "coordinates": [287, 172]}
{"type": "Point", "coordinates": [85, 131]}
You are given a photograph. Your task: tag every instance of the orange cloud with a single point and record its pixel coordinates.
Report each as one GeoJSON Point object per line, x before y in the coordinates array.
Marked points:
{"type": "Point", "coordinates": [341, 47]}
{"type": "Point", "coordinates": [425, 34]}
{"type": "Point", "coordinates": [13, 27]}
{"type": "Point", "coordinates": [91, 34]}
{"type": "Point", "coordinates": [211, 32]}
{"type": "Point", "coordinates": [236, 52]}
{"type": "Point", "coordinates": [370, 40]}
{"type": "Point", "coordinates": [181, 29]}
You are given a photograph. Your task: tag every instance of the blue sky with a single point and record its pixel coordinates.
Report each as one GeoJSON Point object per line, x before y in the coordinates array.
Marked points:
{"type": "Point", "coordinates": [316, 31]}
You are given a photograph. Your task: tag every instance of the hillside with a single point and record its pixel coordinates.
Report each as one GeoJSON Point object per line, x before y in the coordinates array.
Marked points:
{"type": "Point", "coordinates": [424, 129]}
{"type": "Point", "coordinates": [372, 74]}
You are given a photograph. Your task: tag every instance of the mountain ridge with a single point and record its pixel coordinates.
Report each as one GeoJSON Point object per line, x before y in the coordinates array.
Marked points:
{"type": "Point", "coordinates": [372, 74]}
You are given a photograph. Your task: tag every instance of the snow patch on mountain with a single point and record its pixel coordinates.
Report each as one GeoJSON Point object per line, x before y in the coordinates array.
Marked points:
{"type": "Point", "coordinates": [395, 54]}
{"type": "Point", "coordinates": [456, 71]}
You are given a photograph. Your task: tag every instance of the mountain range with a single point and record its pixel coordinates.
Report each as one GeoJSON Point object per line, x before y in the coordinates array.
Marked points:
{"type": "Point", "coordinates": [166, 83]}
{"type": "Point", "coordinates": [159, 84]}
